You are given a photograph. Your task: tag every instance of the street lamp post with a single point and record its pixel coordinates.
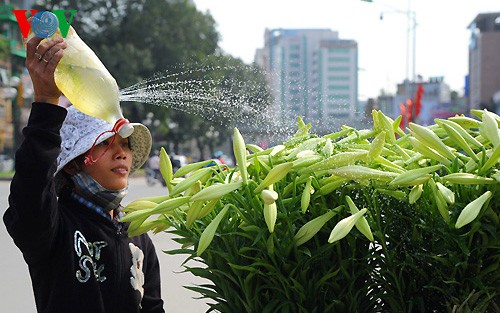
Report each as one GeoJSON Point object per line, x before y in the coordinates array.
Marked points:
{"type": "Point", "coordinates": [411, 17]}
{"type": "Point", "coordinates": [412, 26]}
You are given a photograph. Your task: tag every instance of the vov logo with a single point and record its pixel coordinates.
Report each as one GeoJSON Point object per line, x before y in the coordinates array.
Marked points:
{"type": "Point", "coordinates": [44, 23]}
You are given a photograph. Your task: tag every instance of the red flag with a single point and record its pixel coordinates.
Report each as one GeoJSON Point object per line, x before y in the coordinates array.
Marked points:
{"type": "Point", "coordinates": [403, 114]}
{"type": "Point", "coordinates": [409, 105]}
{"type": "Point", "coordinates": [418, 99]}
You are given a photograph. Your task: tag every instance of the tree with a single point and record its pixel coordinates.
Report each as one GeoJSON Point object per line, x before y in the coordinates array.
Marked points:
{"type": "Point", "coordinates": [4, 47]}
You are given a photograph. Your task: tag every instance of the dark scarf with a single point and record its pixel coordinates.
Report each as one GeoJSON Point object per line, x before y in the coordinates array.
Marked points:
{"type": "Point", "coordinates": [91, 190]}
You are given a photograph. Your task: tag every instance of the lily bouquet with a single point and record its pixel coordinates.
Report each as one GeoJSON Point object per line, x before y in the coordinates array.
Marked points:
{"type": "Point", "coordinates": [371, 220]}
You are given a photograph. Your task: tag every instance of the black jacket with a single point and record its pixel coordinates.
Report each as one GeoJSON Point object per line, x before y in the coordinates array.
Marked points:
{"type": "Point", "coordinates": [78, 260]}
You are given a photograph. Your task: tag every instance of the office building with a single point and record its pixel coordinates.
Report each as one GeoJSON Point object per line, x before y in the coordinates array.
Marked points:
{"type": "Point", "coordinates": [312, 73]}
{"type": "Point", "coordinates": [484, 60]}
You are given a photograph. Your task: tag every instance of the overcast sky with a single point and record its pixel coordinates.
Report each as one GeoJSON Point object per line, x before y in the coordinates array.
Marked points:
{"type": "Point", "coordinates": [441, 35]}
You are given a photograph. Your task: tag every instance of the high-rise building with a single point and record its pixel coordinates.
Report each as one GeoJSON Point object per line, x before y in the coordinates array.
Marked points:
{"type": "Point", "coordinates": [484, 60]}
{"type": "Point", "coordinates": [313, 74]}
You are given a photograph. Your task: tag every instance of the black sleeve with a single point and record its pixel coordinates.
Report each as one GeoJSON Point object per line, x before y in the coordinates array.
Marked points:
{"type": "Point", "coordinates": [151, 301]}
{"type": "Point", "coordinates": [32, 210]}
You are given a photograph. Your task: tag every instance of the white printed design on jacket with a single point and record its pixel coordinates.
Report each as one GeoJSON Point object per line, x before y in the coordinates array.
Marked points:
{"type": "Point", "coordinates": [137, 279]}
{"type": "Point", "coordinates": [89, 253]}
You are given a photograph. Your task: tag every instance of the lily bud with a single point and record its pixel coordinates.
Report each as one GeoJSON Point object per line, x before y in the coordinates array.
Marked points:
{"type": "Point", "coordinates": [396, 194]}
{"type": "Point", "coordinates": [362, 224]}
{"type": "Point", "coordinates": [344, 226]}
{"type": "Point", "coordinates": [169, 205]}
{"type": "Point", "coordinates": [492, 160]}
{"type": "Point", "coordinates": [332, 185]}
{"type": "Point", "coordinates": [376, 146]}
{"type": "Point", "coordinates": [306, 161]}
{"type": "Point", "coordinates": [427, 151]}
{"type": "Point", "coordinates": [490, 127]}
{"type": "Point", "coordinates": [465, 122]}
{"type": "Point", "coordinates": [471, 210]}
{"type": "Point", "coordinates": [202, 175]}
{"type": "Point", "coordinates": [310, 228]}
{"type": "Point", "coordinates": [440, 201]}
{"type": "Point", "coordinates": [306, 195]}
{"type": "Point", "coordinates": [253, 148]}
{"type": "Point", "coordinates": [305, 153]}
{"type": "Point", "coordinates": [189, 168]}
{"type": "Point", "coordinates": [415, 193]}
{"type": "Point", "coordinates": [387, 127]}
{"type": "Point", "coordinates": [427, 136]}
{"type": "Point", "coordinates": [409, 177]}
{"type": "Point", "coordinates": [467, 179]}
{"type": "Point", "coordinates": [327, 148]}
{"type": "Point", "coordinates": [193, 213]}
{"type": "Point", "coordinates": [337, 160]}
{"type": "Point", "coordinates": [269, 196]}
{"type": "Point", "coordinates": [194, 189]}
{"type": "Point", "coordinates": [277, 149]}
{"type": "Point", "coordinates": [459, 140]}
{"type": "Point", "coordinates": [302, 128]}
{"type": "Point", "coordinates": [361, 172]}
{"type": "Point", "coordinates": [157, 225]}
{"type": "Point", "coordinates": [207, 208]}
{"type": "Point", "coordinates": [392, 166]}
{"type": "Point", "coordinates": [270, 214]}
{"type": "Point", "coordinates": [215, 191]}
{"type": "Point", "coordinates": [164, 207]}
{"type": "Point", "coordinates": [138, 205]}
{"type": "Point", "coordinates": [447, 194]}
{"type": "Point", "coordinates": [275, 175]}
{"type": "Point", "coordinates": [208, 234]}
{"type": "Point", "coordinates": [376, 121]}
{"type": "Point", "coordinates": [471, 140]}
{"type": "Point", "coordinates": [166, 169]}
{"type": "Point", "coordinates": [240, 152]}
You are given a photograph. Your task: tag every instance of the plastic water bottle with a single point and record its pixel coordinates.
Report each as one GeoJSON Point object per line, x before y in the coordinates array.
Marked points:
{"type": "Point", "coordinates": [85, 81]}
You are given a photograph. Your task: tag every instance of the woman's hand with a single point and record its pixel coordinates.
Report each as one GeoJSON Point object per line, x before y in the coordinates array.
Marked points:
{"type": "Point", "coordinates": [41, 61]}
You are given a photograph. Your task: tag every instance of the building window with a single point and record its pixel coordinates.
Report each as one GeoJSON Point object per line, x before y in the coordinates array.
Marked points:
{"type": "Point", "coordinates": [339, 59]}
{"type": "Point", "coordinates": [338, 78]}
{"type": "Point", "coordinates": [338, 87]}
{"type": "Point", "coordinates": [341, 115]}
{"type": "Point", "coordinates": [339, 50]}
{"type": "Point", "coordinates": [339, 68]}
{"type": "Point", "coordinates": [336, 97]}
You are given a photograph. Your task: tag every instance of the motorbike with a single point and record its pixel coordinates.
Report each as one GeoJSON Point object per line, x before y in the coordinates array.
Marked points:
{"type": "Point", "coordinates": [154, 177]}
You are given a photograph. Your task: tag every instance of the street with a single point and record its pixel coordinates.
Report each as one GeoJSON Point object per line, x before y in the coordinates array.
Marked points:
{"type": "Point", "coordinates": [15, 290]}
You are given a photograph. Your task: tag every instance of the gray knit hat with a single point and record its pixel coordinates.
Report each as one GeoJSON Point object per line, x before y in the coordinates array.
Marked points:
{"type": "Point", "coordinates": [79, 132]}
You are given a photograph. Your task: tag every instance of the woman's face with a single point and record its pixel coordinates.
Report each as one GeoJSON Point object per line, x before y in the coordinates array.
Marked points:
{"type": "Point", "coordinates": [113, 168]}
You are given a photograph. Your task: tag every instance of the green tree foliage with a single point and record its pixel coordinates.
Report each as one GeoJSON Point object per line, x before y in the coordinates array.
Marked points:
{"type": "Point", "coordinates": [4, 47]}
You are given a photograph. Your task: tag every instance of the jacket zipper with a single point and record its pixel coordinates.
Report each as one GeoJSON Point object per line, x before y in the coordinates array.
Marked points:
{"type": "Point", "coordinates": [119, 268]}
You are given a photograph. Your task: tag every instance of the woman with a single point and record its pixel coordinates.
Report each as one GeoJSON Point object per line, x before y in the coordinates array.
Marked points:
{"type": "Point", "coordinates": [64, 205]}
